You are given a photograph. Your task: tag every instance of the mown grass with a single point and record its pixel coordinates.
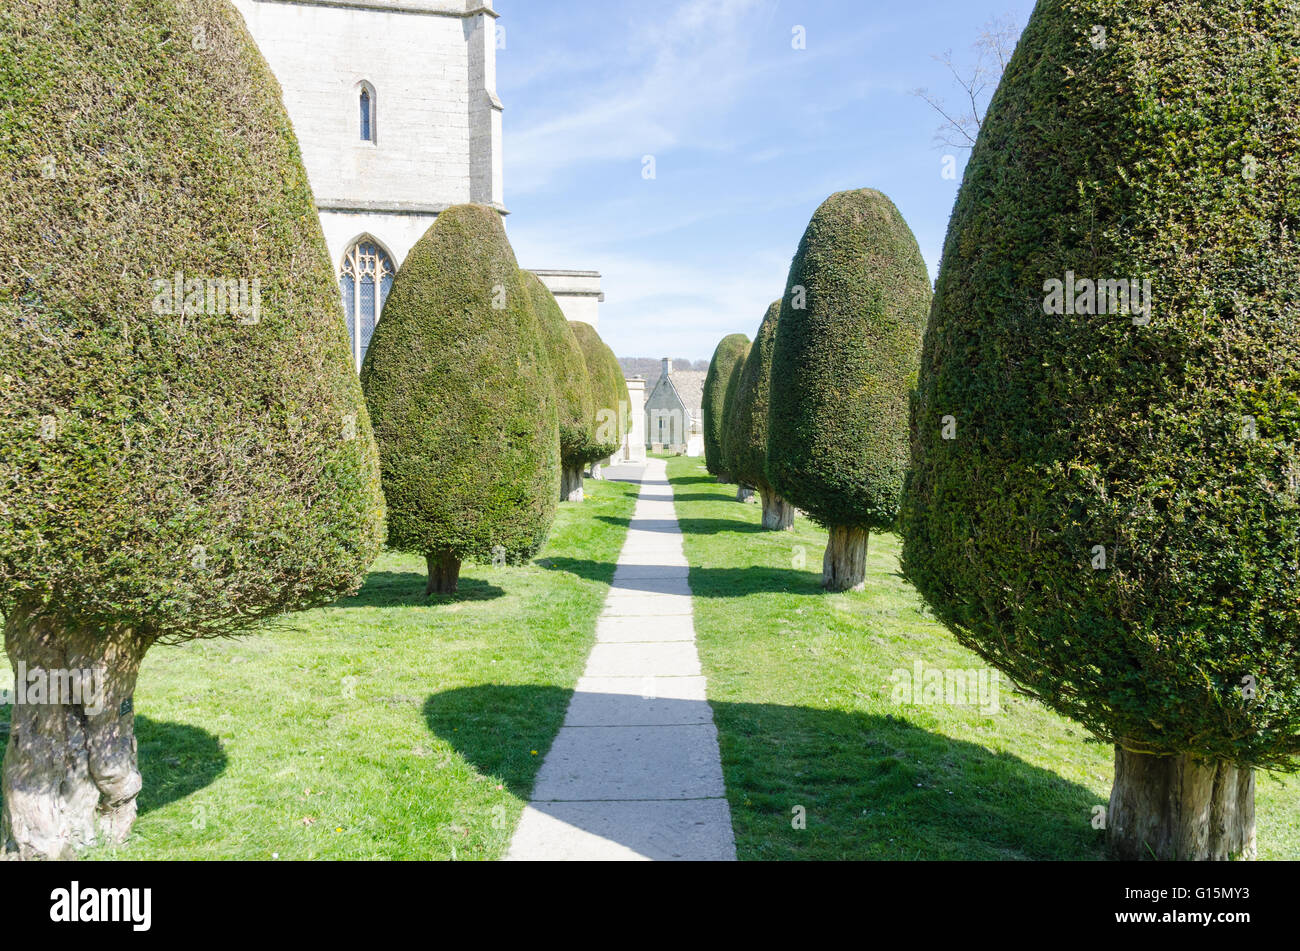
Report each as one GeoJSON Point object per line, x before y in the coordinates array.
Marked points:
{"type": "Point", "coordinates": [346, 732]}
{"type": "Point", "coordinates": [801, 690]}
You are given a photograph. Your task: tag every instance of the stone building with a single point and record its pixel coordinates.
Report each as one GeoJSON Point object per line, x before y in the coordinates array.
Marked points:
{"type": "Point", "coordinates": [395, 106]}
{"type": "Point", "coordinates": [674, 414]}
{"type": "Point", "coordinates": [577, 292]}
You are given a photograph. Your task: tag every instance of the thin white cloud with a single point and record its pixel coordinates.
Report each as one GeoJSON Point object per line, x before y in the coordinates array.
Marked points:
{"type": "Point", "coordinates": [681, 73]}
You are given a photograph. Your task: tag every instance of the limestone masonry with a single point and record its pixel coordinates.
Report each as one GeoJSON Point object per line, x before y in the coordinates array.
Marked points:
{"type": "Point", "coordinates": [395, 106]}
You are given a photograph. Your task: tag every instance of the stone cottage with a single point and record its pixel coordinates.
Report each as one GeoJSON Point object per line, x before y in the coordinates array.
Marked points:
{"type": "Point", "coordinates": [674, 414]}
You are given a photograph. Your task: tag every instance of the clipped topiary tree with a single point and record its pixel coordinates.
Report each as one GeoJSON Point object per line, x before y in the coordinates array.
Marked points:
{"type": "Point", "coordinates": [185, 449]}
{"type": "Point", "coordinates": [847, 345]}
{"type": "Point", "coordinates": [745, 436]}
{"type": "Point", "coordinates": [574, 402]}
{"type": "Point", "coordinates": [609, 390]}
{"type": "Point", "coordinates": [463, 404]}
{"type": "Point", "coordinates": [1105, 493]}
{"type": "Point", "coordinates": [729, 354]}
{"type": "Point", "coordinates": [744, 489]}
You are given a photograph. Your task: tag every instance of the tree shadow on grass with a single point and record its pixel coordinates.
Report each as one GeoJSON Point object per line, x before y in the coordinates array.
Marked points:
{"type": "Point", "coordinates": [871, 787]}
{"type": "Point", "coordinates": [690, 526]}
{"type": "Point", "coordinates": [704, 582]}
{"type": "Point", "coordinates": [175, 759]}
{"type": "Point", "coordinates": [397, 589]}
{"type": "Point", "coordinates": [498, 728]}
{"type": "Point", "coordinates": [695, 480]}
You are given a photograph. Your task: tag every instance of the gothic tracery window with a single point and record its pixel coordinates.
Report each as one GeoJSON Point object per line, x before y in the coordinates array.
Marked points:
{"type": "Point", "coordinates": [366, 278]}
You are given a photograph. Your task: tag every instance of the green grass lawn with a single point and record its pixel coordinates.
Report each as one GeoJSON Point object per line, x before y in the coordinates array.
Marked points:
{"type": "Point", "coordinates": [800, 685]}
{"type": "Point", "coordinates": [389, 726]}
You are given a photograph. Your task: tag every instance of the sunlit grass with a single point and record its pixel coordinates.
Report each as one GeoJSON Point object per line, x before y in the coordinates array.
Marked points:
{"type": "Point", "coordinates": [324, 737]}
{"type": "Point", "coordinates": [801, 689]}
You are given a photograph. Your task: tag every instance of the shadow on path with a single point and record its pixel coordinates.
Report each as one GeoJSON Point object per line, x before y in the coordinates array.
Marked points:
{"type": "Point", "coordinates": [873, 787]}
{"type": "Point", "coordinates": [689, 526]}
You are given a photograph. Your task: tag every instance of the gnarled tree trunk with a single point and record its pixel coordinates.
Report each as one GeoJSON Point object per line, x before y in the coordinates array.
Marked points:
{"type": "Point", "coordinates": [844, 567]}
{"type": "Point", "coordinates": [744, 493]}
{"type": "Point", "coordinates": [778, 514]}
{"type": "Point", "coordinates": [1171, 808]}
{"type": "Point", "coordinates": [596, 471]}
{"type": "Point", "coordinates": [444, 573]}
{"type": "Point", "coordinates": [571, 484]}
{"type": "Point", "coordinates": [70, 774]}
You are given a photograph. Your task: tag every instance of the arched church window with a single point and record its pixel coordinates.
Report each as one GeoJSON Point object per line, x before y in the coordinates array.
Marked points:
{"type": "Point", "coordinates": [366, 278]}
{"type": "Point", "coordinates": [367, 105]}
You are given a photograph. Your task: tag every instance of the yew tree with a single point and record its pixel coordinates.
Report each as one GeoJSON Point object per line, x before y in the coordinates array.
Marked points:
{"type": "Point", "coordinates": [574, 402]}
{"type": "Point", "coordinates": [727, 356]}
{"type": "Point", "coordinates": [184, 450]}
{"type": "Point", "coordinates": [463, 402]}
{"type": "Point", "coordinates": [848, 341]}
{"type": "Point", "coordinates": [612, 419]}
{"type": "Point", "coordinates": [744, 437]}
{"type": "Point", "coordinates": [1104, 498]}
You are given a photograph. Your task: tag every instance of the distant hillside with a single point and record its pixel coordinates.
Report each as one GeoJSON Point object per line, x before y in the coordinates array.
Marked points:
{"type": "Point", "coordinates": [650, 367]}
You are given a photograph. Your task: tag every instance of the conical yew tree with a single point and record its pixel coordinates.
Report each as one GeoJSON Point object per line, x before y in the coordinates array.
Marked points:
{"type": "Point", "coordinates": [574, 403]}
{"type": "Point", "coordinates": [744, 438]}
{"type": "Point", "coordinates": [184, 449]}
{"type": "Point", "coordinates": [847, 345]}
{"type": "Point", "coordinates": [729, 354]}
{"type": "Point", "coordinates": [460, 391]}
{"type": "Point", "coordinates": [1104, 498]}
{"type": "Point", "coordinates": [609, 392]}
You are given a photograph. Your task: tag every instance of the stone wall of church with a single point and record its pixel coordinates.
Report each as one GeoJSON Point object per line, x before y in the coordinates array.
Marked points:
{"type": "Point", "coordinates": [432, 65]}
{"type": "Point", "coordinates": [577, 292]}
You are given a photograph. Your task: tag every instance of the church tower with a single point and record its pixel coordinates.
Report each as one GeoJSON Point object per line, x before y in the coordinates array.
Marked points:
{"type": "Point", "coordinates": [395, 106]}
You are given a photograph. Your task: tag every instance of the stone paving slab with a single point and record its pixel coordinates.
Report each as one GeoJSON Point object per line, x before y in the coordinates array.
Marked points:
{"type": "Point", "coordinates": [648, 605]}
{"type": "Point", "coordinates": [633, 586]}
{"type": "Point", "coordinates": [685, 830]}
{"type": "Point", "coordinates": [634, 772]}
{"type": "Point", "coordinates": [626, 630]}
{"type": "Point", "coordinates": [631, 762]}
{"type": "Point", "coordinates": [652, 571]}
{"type": "Point", "coordinates": [639, 701]}
{"type": "Point", "coordinates": [669, 659]}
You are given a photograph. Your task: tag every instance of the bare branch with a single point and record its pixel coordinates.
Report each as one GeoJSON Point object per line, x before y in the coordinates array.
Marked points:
{"type": "Point", "coordinates": [993, 48]}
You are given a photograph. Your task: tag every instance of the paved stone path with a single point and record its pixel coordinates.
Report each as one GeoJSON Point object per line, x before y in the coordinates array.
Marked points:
{"type": "Point", "coordinates": [634, 772]}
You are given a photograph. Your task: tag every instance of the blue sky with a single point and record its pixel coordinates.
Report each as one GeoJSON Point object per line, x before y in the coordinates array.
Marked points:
{"type": "Point", "coordinates": [748, 134]}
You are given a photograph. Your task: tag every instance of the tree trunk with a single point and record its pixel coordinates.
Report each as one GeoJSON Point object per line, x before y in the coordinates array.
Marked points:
{"type": "Point", "coordinates": [844, 567]}
{"type": "Point", "coordinates": [571, 484]}
{"type": "Point", "coordinates": [1179, 808]}
{"type": "Point", "coordinates": [70, 774]}
{"type": "Point", "coordinates": [744, 493]}
{"type": "Point", "coordinates": [724, 478]}
{"type": "Point", "coordinates": [444, 573]}
{"type": "Point", "coordinates": [778, 514]}
{"type": "Point", "coordinates": [595, 471]}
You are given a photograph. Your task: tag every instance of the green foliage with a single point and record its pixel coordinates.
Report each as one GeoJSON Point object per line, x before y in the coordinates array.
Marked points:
{"type": "Point", "coordinates": [462, 400]}
{"type": "Point", "coordinates": [844, 363]}
{"type": "Point", "coordinates": [574, 402]}
{"type": "Point", "coordinates": [1165, 153]}
{"type": "Point", "coordinates": [608, 389]}
{"type": "Point", "coordinates": [730, 353]}
{"type": "Point", "coordinates": [174, 474]}
{"type": "Point", "coordinates": [744, 439]}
